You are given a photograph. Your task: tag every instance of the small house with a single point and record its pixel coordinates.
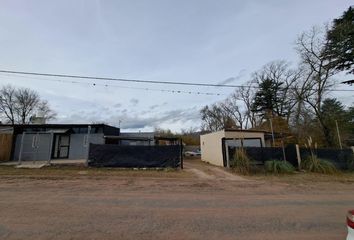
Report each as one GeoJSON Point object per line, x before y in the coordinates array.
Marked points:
{"type": "Point", "coordinates": [215, 146]}
{"type": "Point", "coordinates": [56, 141]}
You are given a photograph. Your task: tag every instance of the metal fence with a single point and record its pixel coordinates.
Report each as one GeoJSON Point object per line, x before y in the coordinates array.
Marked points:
{"type": "Point", "coordinates": [339, 157]}
{"type": "Point", "coordinates": [33, 147]}
{"type": "Point", "coordinates": [112, 155]}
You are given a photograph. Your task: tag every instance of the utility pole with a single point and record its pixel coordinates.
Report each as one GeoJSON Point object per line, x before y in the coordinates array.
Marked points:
{"type": "Point", "coordinates": [339, 139]}
{"type": "Point", "coordinates": [271, 128]}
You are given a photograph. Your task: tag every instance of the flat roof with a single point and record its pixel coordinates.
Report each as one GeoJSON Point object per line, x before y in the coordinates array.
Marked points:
{"type": "Point", "coordinates": [57, 125]}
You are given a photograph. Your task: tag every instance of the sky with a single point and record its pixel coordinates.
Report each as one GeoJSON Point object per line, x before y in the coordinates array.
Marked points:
{"type": "Point", "coordinates": [197, 41]}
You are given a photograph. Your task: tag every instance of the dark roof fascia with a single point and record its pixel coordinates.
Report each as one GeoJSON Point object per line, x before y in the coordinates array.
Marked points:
{"type": "Point", "coordinates": [128, 138]}
{"type": "Point", "coordinates": [244, 130]}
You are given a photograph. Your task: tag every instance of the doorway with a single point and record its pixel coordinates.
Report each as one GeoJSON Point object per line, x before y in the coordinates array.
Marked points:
{"type": "Point", "coordinates": [61, 146]}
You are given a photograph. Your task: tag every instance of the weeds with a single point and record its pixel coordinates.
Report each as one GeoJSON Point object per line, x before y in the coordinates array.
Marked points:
{"type": "Point", "coordinates": [314, 164]}
{"type": "Point", "coordinates": [318, 165]}
{"type": "Point", "coordinates": [279, 167]}
{"type": "Point", "coordinates": [241, 161]}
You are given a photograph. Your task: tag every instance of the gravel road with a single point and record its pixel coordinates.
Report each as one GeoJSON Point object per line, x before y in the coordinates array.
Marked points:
{"type": "Point", "coordinates": [196, 207]}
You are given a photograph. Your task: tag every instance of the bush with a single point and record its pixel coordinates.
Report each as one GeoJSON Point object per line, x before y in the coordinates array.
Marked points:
{"type": "Point", "coordinates": [279, 167]}
{"type": "Point", "coordinates": [241, 161]}
{"type": "Point", "coordinates": [314, 164]}
{"type": "Point", "coordinates": [350, 163]}
{"type": "Point", "coordinates": [348, 158]}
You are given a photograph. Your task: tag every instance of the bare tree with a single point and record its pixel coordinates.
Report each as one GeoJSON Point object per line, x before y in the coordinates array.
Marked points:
{"type": "Point", "coordinates": [26, 102]}
{"type": "Point", "coordinates": [245, 95]}
{"type": "Point", "coordinates": [216, 118]}
{"type": "Point", "coordinates": [44, 110]}
{"type": "Point", "coordinates": [8, 103]}
{"type": "Point", "coordinates": [232, 108]}
{"type": "Point", "coordinates": [317, 72]}
{"type": "Point", "coordinates": [19, 105]}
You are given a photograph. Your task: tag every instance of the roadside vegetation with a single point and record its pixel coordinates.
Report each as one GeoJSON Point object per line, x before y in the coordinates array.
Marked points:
{"type": "Point", "coordinates": [68, 172]}
{"type": "Point", "coordinates": [241, 162]}
{"type": "Point", "coordinates": [279, 167]}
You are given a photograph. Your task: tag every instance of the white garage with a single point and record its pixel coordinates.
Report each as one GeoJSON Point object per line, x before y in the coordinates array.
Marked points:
{"type": "Point", "coordinates": [213, 145]}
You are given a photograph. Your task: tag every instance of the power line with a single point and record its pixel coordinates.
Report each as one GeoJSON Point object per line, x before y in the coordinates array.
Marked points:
{"type": "Point", "coordinates": [94, 84]}
{"type": "Point", "coordinates": [119, 79]}
{"type": "Point", "coordinates": [139, 80]}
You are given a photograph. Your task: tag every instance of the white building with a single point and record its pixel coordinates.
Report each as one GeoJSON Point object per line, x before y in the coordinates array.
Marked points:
{"type": "Point", "coordinates": [214, 146]}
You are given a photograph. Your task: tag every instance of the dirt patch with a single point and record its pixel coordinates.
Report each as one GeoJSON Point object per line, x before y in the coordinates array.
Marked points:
{"type": "Point", "coordinates": [112, 204]}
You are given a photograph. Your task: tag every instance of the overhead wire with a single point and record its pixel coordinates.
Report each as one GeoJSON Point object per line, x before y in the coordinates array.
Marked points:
{"type": "Point", "coordinates": [141, 81]}
{"type": "Point", "coordinates": [94, 84]}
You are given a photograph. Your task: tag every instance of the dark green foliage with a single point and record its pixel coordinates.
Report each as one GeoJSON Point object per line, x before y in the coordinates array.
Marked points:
{"type": "Point", "coordinates": [279, 167]}
{"type": "Point", "coordinates": [267, 98]}
{"type": "Point", "coordinates": [241, 161]}
{"type": "Point", "coordinates": [340, 50]}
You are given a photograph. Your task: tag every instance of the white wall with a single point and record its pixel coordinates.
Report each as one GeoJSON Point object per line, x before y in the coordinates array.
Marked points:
{"type": "Point", "coordinates": [211, 144]}
{"type": "Point", "coordinates": [211, 148]}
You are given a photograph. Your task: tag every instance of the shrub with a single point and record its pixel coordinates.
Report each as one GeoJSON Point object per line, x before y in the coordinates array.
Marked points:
{"type": "Point", "coordinates": [241, 161]}
{"type": "Point", "coordinates": [348, 158]}
{"type": "Point", "coordinates": [314, 164]}
{"type": "Point", "coordinates": [279, 167]}
{"type": "Point", "coordinates": [350, 163]}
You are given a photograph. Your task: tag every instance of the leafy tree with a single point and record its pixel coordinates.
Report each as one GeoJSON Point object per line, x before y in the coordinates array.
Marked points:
{"type": "Point", "coordinates": [267, 98]}
{"type": "Point", "coordinates": [284, 79]}
{"type": "Point", "coordinates": [341, 42]}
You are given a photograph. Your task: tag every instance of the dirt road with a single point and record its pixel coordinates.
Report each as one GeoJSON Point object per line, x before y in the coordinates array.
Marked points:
{"type": "Point", "coordinates": [205, 205]}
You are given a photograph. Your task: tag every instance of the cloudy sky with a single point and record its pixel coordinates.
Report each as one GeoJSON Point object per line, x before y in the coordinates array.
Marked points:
{"type": "Point", "coordinates": [205, 41]}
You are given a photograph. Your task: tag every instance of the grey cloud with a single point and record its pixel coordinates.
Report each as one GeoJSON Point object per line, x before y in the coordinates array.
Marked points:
{"type": "Point", "coordinates": [233, 79]}
{"type": "Point", "coordinates": [134, 101]}
{"type": "Point", "coordinates": [118, 105]}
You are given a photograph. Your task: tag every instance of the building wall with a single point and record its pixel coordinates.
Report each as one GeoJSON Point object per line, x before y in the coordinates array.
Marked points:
{"type": "Point", "coordinates": [211, 144]}
{"type": "Point", "coordinates": [211, 148]}
{"type": "Point", "coordinates": [77, 149]}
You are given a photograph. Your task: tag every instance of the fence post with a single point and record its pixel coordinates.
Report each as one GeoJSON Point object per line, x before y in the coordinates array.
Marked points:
{"type": "Point", "coordinates": [36, 146]}
{"type": "Point", "coordinates": [88, 143]}
{"type": "Point", "coordinates": [227, 155]}
{"type": "Point", "coordinates": [51, 147]}
{"type": "Point", "coordinates": [283, 147]}
{"type": "Point", "coordinates": [21, 149]}
{"type": "Point", "coordinates": [181, 152]}
{"type": "Point", "coordinates": [298, 155]}
{"type": "Point", "coordinates": [339, 139]}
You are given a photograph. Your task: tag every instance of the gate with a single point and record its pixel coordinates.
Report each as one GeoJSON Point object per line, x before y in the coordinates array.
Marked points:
{"type": "Point", "coordinates": [5, 146]}
{"type": "Point", "coordinates": [33, 147]}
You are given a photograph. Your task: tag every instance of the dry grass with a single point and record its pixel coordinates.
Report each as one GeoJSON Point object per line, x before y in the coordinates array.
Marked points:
{"type": "Point", "coordinates": [81, 171]}
{"type": "Point", "coordinates": [307, 178]}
